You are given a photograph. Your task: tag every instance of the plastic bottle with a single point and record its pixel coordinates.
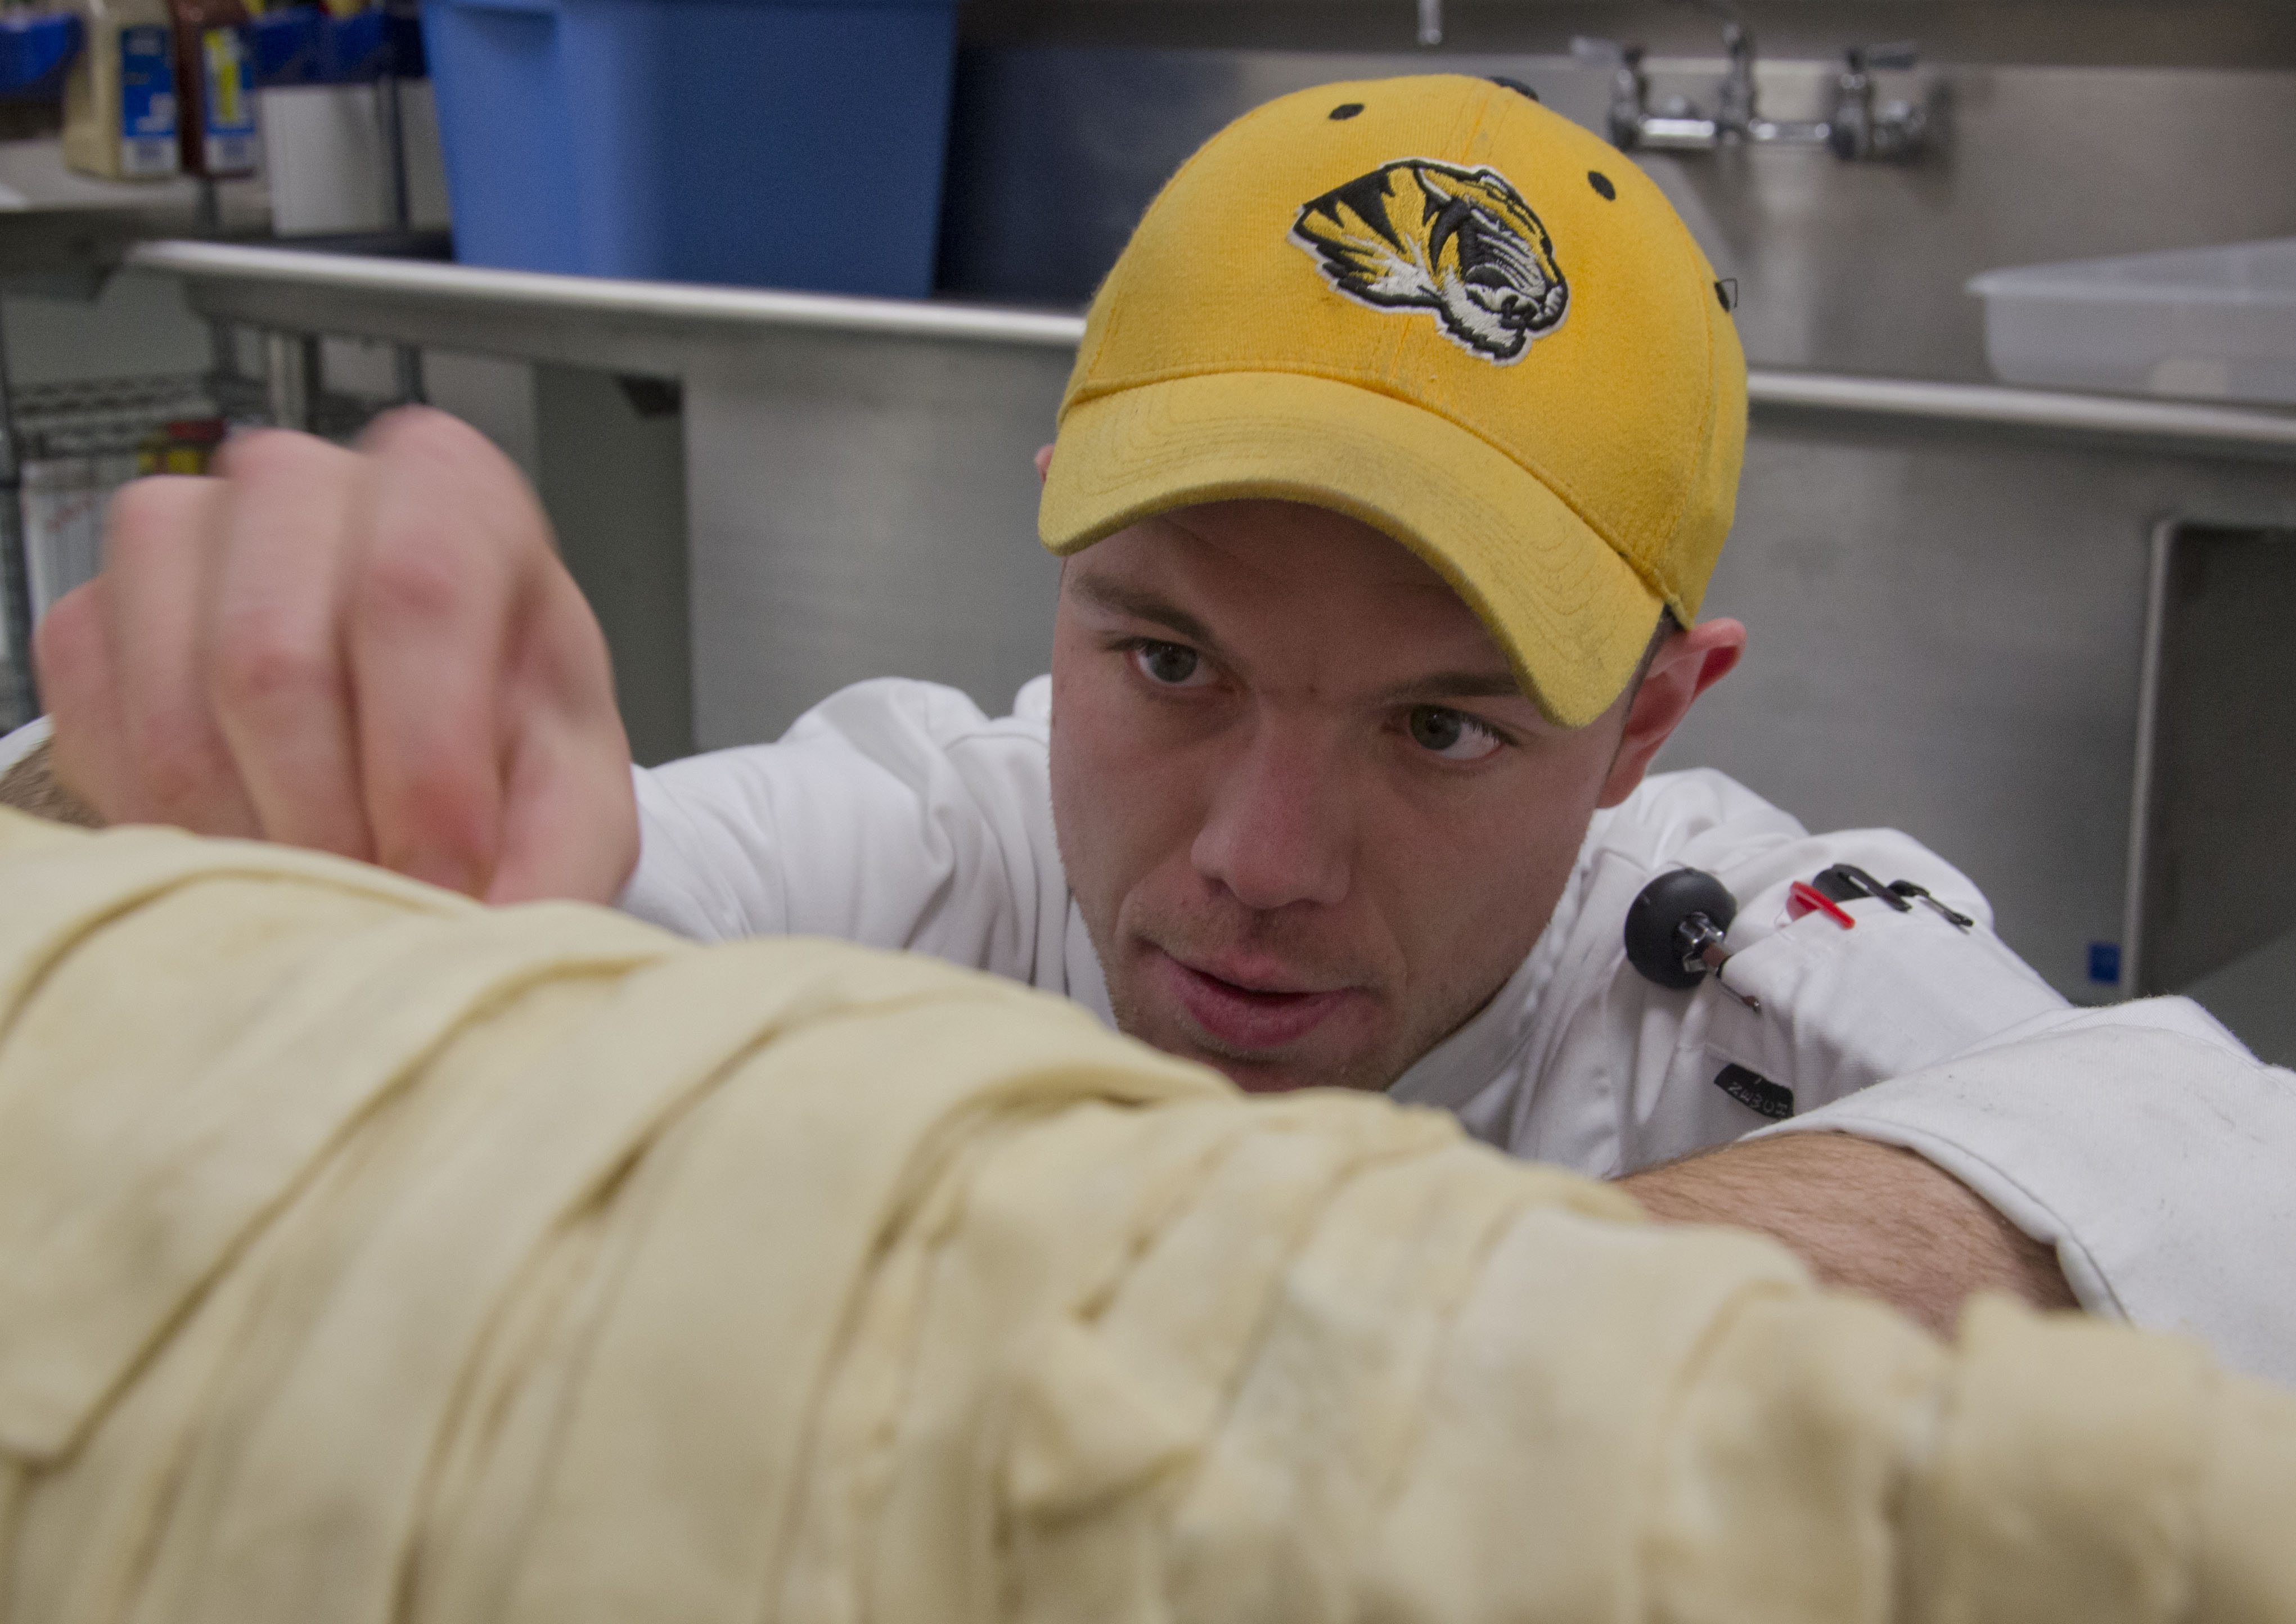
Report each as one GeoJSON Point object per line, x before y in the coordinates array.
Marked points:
{"type": "Point", "coordinates": [121, 106]}
{"type": "Point", "coordinates": [187, 446]}
{"type": "Point", "coordinates": [217, 131]}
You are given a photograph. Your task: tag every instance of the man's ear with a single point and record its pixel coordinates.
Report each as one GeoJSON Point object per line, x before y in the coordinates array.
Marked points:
{"type": "Point", "coordinates": [1044, 462]}
{"type": "Point", "coordinates": [1685, 665]}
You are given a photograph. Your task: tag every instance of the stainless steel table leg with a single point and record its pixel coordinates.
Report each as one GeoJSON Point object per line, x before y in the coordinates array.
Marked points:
{"type": "Point", "coordinates": [405, 359]}
{"type": "Point", "coordinates": [222, 345]}
{"type": "Point", "coordinates": [398, 207]}
{"type": "Point", "coordinates": [291, 377]}
{"type": "Point", "coordinates": [406, 369]}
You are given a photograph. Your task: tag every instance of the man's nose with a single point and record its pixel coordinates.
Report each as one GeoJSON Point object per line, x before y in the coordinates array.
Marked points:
{"type": "Point", "coordinates": [1278, 828]}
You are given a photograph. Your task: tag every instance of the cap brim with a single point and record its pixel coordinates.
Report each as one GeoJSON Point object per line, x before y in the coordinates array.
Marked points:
{"type": "Point", "coordinates": [1572, 618]}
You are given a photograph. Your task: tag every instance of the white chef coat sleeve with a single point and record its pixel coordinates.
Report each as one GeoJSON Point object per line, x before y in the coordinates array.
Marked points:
{"type": "Point", "coordinates": [1843, 1009]}
{"type": "Point", "coordinates": [893, 814]}
{"type": "Point", "coordinates": [1839, 1009]}
{"type": "Point", "coordinates": [2143, 1143]}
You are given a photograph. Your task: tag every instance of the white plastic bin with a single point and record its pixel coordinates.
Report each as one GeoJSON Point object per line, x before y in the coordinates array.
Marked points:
{"type": "Point", "coordinates": [63, 502]}
{"type": "Point", "coordinates": [323, 157]}
{"type": "Point", "coordinates": [2213, 323]}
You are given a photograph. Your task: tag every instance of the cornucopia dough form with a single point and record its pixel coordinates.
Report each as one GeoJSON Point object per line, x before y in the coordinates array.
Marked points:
{"type": "Point", "coordinates": [366, 1254]}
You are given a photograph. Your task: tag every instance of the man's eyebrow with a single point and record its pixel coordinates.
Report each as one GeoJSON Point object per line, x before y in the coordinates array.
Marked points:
{"type": "Point", "coordinates": [1435, 688]}
{"type": "Point", "coordinates": [1117, 599]}
{"type": "Point", "coordinates": [1438, 686]}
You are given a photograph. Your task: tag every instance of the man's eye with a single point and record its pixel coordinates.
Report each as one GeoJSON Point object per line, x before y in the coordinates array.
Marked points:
{"type": "Point", "coordinates": [1169, 665]}
{"type": "Point", "coordinates": [1453, 735]}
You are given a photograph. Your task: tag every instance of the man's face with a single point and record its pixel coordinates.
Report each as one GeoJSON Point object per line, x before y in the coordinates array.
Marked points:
{"type": "Point", "coordinates": [1311, 822]}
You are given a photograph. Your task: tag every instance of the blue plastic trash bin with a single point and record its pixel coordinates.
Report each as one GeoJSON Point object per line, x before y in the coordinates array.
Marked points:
{"type": "Point", "coordinates": [718, 141]}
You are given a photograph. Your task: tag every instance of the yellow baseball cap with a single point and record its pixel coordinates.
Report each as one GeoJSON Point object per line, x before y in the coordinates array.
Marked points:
{"type": "Point", "coordinates": [1434, 306]}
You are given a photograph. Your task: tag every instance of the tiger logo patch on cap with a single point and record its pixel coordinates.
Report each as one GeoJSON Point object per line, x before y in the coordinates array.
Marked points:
{"type": "Point", "coordinates": [1418, 234]}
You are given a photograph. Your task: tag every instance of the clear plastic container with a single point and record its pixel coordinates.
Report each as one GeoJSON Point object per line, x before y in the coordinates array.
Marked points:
{"type": "Point", "coordinates": [2216, 324]}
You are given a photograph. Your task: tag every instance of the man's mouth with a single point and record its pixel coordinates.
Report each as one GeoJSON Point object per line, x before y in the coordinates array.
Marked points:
{"type": "Point", "coordinates": [1246, 1009]}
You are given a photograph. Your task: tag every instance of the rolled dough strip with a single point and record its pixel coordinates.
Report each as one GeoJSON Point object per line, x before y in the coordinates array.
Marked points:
{"type": "Point", "coordinates": [366, 1255]}
{"type": "Point", "coordinates": [181, 1159]}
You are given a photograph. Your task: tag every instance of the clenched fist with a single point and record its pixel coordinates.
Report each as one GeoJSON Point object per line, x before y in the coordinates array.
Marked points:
{"type": "Point", "coordinates": [374, 652]}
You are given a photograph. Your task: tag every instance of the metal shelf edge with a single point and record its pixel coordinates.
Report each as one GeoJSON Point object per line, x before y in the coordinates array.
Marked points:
{"type": "Point", "coordinates": [2235, 429]}
{"type": "Point", "coordinates": [467, 291]}
{"type": "Point", "coordinates": [535, 292]}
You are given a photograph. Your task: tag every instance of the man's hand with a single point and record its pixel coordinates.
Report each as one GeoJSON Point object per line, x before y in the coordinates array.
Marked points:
{"type": "Point", "coordinates": [1865, 1217]}
{"type": "Point", "coordinates": [373, 652]}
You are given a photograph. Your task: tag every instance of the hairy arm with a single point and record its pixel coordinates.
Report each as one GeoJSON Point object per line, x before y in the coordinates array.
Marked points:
{"type": "Point", "coordinates": [1866, 1217]}
{"type": "Point", "coordinates": [31, 786]}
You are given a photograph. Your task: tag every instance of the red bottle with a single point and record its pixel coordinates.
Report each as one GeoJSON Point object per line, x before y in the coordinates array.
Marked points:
{"type": "Point", "coordinates": [216, 121]}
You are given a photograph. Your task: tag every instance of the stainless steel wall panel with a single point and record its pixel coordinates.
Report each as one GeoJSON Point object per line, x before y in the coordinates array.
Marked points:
{"type": "Point", "coordinates": [1947, 639]}
{"type": "Point", "coordinates": [1841, 267]}
{"type": "Point", "coordinates": [2213, 865]}
{"type": "Point", "coordinates": [2100, 33]}
{"type": "Point", "coordinates": [613, 477]}
{"type": "Point", "coordinates": [862, 508]}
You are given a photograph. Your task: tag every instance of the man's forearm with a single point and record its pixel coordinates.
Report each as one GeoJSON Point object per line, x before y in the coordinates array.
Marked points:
{"type": "Point", "coordinates": [1865, 1217]}
{"type": "Point", "coordinates": [29, 786]}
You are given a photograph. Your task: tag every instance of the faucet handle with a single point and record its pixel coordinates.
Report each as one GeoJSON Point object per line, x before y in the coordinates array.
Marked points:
{"type": "Point", "coordinates": [1894, 133]}
{"type": "Point", "coordinates": [1895, 57]}
{"type": "Point", "coordinates": [1629, 91]}
{"type": "Point", "coordinates": [1735, 107]}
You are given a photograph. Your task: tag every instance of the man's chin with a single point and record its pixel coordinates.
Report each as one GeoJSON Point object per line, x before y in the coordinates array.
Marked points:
{"type": "Point", "coordinates": [1254, 1078]}
{"type": "Point", "coordinates": [1265, 1073]}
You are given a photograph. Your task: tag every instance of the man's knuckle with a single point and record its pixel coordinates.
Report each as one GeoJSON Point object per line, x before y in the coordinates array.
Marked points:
{"type": "Point", "coordinates": [421, 452]}
{"type": "Point", "coordinates": [445, 800]}
{"type": "Point", "coordinates": [264, 455]}
{"type": "Point", "coordinates": [261, 666]}
{"type": "Point", "coordinates": [441, 812]}
{"type": "Point", "coordinates": [144, 515]}
{"type": "Point", "coordinates": [178, 769]}
{"type": "Point", "coordinates": [430, 447]}
{"type": "Point", "coordinates": [425, 431]}
{"type": "Point", "coordinates": [414, 583]}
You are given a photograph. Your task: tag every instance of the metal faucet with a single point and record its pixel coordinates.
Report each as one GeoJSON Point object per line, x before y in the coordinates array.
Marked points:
{"type": "Point", "coordinates": [1629, 97]}
{"type": "Point", "coordinates": [1677, 126]}
{"type": "Point", "coordinates": [1733, 101]}
{"type": "Point", "coordinates": [1855, 130]}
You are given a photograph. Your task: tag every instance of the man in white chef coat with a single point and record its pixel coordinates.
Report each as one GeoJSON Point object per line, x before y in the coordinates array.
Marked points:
{"type": "Point", "coordinates": [1401, 446]}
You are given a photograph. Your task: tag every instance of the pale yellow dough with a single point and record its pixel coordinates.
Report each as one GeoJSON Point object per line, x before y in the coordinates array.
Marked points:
{"type": "Point", "coordinates": [366, 1255]}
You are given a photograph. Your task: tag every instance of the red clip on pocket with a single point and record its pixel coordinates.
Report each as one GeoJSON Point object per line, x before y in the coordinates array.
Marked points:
{"type": "Point", "coordinates": [1805, 898]}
